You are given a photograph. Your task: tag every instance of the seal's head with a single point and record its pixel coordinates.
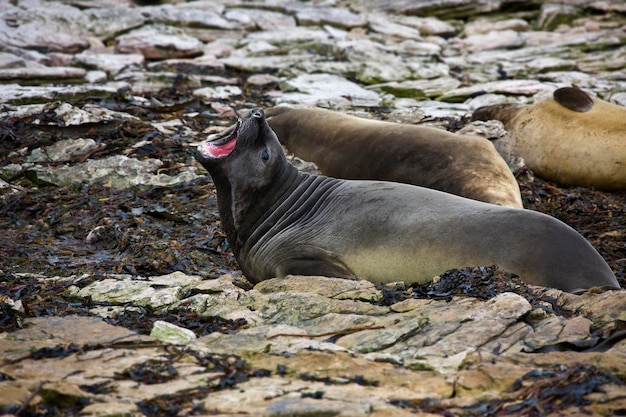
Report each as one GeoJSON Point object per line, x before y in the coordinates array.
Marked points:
{"type": "Point", "coordinates": [249, 149]}
{"type": "Point", "coordinates": [248, 166]}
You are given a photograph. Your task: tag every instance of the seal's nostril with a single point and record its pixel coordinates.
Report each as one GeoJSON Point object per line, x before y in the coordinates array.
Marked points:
{"type": "Point", "coordinates": [257, 113]}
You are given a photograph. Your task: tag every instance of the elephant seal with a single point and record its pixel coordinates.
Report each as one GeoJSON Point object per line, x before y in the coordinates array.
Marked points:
{"type": "Point", "coordinates": [349, 147]}
{"type": "Point", "coordinates": [281, 221]}
{"type": "Point", "coordinates": [573, 139]}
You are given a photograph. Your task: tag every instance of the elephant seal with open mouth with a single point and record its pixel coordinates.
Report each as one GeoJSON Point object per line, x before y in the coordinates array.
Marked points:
{"type": "Point", "coordinates": [349, 147]}
{"type": "Point", "coordinates": [280, 221]}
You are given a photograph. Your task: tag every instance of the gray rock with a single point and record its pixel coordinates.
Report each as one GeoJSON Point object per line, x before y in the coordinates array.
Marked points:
{"type": "Point", "coordinates": [443, 9]}
{"type": "Point", "coordinates": [291, 37]}
{"type": "Point", "coordinates": [429, 25]}
{"type": "Point", "coordinates": [43, 75]}
{"type": "Point", "coordinates": [116, 171]}
{"type": "Point", "coordinates": [188, 16]}
{"type": "Point", "coordinates": [383, 25]}
{"type": "Point", "coordinates": [9, 60]}
{"type": "Point", "coordinates": [318, 407]}
{"type": "Point", "coordinates": [170, 333]}
{"type": "Point", "coordinates": [504, 39]}
{"type": "Point", "coordinates": [327, 90]}
{"type": "Point", "coordinates": [62, 150]}
{"type": "Point", "coordinates": [68, 115]}
{"type": "Point", "coordinates": [107, 22]}
{"type": "Point", "coordinates": [17, 94]}
{"type": "Point", "coordinates": [491, 129]}
{"type": "Point", "coordinates": [262, 64]}
{"type": "Point", "coordinates": [218, 92]}
{"type": "Point", "coordinates": [419, 89]}
{"type": "Point", "coordinates": [261, 19]}
{"type": "Point", "coordinates": [159, 42]}
{"type": "Point", "coordinates": [333, 16]}
{"type": "Point", "coordinates": [514, 87]}
{"type": "Point", "coordinates": [96, 77]}
{"type": "Point", "coordinates": [551, 16]}
{"type": "Point", "coordinates": [482, 26]}
{"type": "Point", "coordinates": [109, 62]}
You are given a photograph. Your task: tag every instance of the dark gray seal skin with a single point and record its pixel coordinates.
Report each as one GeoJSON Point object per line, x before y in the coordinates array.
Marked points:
{"type": "Point", "coordinates": [280, 221]}
{"type": "Point", "coordinates": [348, 147]}
{"type": "Point", "coordinates": [573, 138]}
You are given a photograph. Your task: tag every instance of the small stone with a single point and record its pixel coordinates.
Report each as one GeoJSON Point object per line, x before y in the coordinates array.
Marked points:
{"type": "Point", "coordinates": [263, 19]}
{"type": "Point", "coordinates": [63, 150]}
{"type": "Point", "coordinates": [109, 62]}
{"type": "Point", "coordinates": [159, 42]}
{"type": "Point", "coordinates": [43, 75]}
{"type": "Point", "coordinates": [8, 60]}
{"type": "Point", "coordinates": [262, 80]}
{"type": "Point", "coordinates": [333, 16]}
{"type": "Point", "coordinates": [318, 407]}
{"type": "Point", "coordinates": [419, 89]}
{"type": "Point", "coordinates": [170, 333]}
{"type": "Point", "coordinates": [551, 16]}
{"type": "Point", "coordinates": [96, 77]}
{"type": "Point", "coordinates": [327, 90]}
{"type": "Point", "coordinates": [385, 26]}
{"type": "Point", "coordinates": [482, 26]}
{"type": "Point", "coordinates": [494, 40]}
{"type": "Point", "coordinates": [219, 92]}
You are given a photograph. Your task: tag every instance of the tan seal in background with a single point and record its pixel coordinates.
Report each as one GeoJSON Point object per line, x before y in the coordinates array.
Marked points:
{"type": "Point", "coordinates": [350, 147]}
{"type": "Point", "coordinates": [573, 139]}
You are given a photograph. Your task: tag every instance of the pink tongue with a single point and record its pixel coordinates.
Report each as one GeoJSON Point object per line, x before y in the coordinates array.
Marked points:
{"type": "Point", "coordinates": [219, 151]}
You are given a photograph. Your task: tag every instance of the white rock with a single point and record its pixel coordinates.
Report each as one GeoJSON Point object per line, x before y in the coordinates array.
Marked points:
{"type": "Point", "coordinates": [327, 90]}
{"type": "Point", "coordinates": [188, 16]}
{"type": "Point", "coordinates": [218, 92]}
{"type": "Point", "coordinates": [9, 60]}
{"type": "Point", "coordinates": [333, 16]}
{"type": "Point", "coordinates": [109, 62]}
{"type": "Point", "coordinates": [63, 150]}
{"type": "Point", "coordinates": [263, 19]}
{"type": "Point", "coordinates": [494, 40]}
{"type": "Point", "coordinates": [170, 333]}
{"type": "Point", "coordinates": [515, 87]}
{"type": "Point", "coordinates": [482, 26]}
{"type": "Point", "coordinates": [159, 42]}
{"type": "Point", "coordinates": [383, 25]}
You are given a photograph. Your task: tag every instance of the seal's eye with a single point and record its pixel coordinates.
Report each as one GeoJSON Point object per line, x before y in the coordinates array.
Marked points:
{"type": "Point", "coordinates": [265, 155]}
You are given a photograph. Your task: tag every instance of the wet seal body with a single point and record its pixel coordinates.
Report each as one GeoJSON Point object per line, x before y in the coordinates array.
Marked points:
{"type": "Point", "coordinates": [351, 147]}
{"type": "Point", "coordinates": [280, 221]}
{"type": "Point", "coordinates": [573, 139]}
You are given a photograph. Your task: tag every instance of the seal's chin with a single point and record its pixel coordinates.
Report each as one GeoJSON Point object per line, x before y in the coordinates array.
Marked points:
{"type": "Point", "coordinates": [220, 147]}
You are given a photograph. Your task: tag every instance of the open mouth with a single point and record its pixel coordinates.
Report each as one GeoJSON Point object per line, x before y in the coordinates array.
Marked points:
{"type": "Point", "coordinates": [221, 146]}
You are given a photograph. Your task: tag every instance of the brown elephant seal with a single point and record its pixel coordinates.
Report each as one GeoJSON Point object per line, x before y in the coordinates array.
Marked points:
{"type": "Point", "coordinates": [349, 147]}
{"type": "Point", "coordinates": [573, 139]}
{"type": "Point", "coordinates": [281, 221]}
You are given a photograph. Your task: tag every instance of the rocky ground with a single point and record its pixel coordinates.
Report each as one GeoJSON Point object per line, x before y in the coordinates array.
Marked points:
{"type": "Point", "coordinates": [119, 294]}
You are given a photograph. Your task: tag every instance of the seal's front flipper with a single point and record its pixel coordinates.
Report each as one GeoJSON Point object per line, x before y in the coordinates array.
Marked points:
{"type": "Point", "coordinates": [502, 112]}
{"type": "Point", "coordinates": [573, 98]}
{"type": "Point", "coordinates": [311, 261]}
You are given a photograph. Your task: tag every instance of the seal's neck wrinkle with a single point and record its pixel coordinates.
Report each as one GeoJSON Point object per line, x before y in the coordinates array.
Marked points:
{"type": "Point", "coordinates": [246, 212]}
{"type": "Point", "coordinates": [299, 200]}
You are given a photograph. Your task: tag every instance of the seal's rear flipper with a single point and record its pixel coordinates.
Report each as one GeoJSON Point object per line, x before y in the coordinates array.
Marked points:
{"type": "Point", "coordinates": [574, 99]}
{"type": "Point", "coordinates": [501, 112]}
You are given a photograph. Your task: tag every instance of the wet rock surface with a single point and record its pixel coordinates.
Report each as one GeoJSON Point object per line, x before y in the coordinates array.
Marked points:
{"type": "Point", "coordinates": [119, 294]}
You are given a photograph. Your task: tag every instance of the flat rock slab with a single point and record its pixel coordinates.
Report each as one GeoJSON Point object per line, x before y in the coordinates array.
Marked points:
{"type": "Point", "coordinates": [317, 345]}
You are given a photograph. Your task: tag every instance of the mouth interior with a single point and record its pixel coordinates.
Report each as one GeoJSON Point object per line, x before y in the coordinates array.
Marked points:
{"type": "Point", "coordinates": [220, 147]}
